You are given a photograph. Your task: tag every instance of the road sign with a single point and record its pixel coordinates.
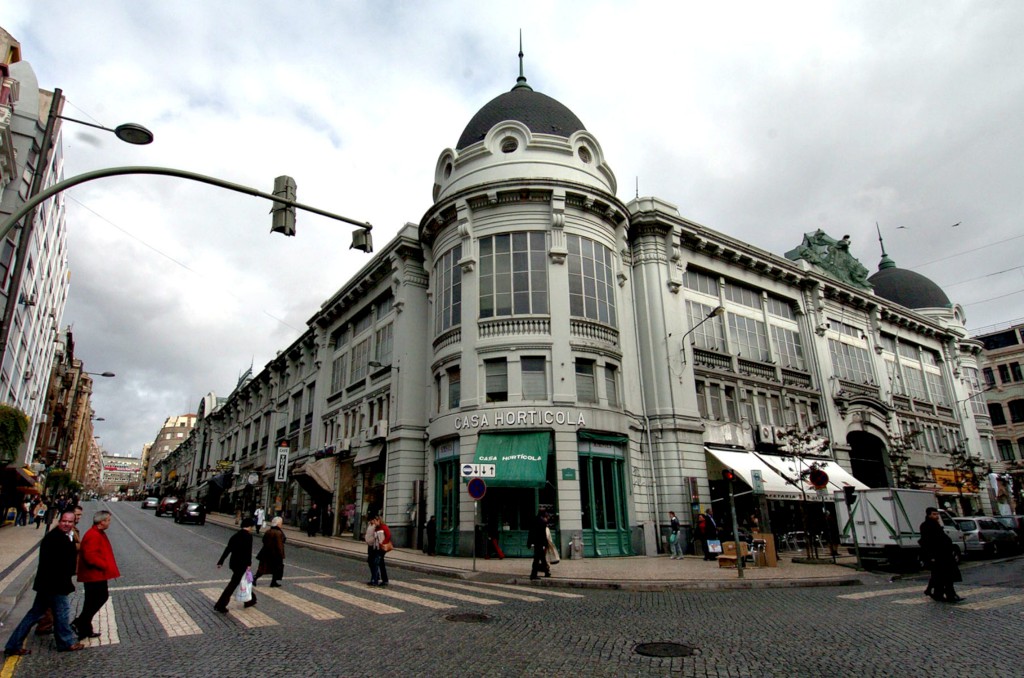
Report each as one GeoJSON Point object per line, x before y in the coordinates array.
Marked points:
{"type": "Point", "coordinates": [281, 468]}
{"type": "Point", "coordinates": [479, 470]}
{"type": "Point", "coordinates": [477, 488]}
{"type": "Point", "coordinates": [757, 481]}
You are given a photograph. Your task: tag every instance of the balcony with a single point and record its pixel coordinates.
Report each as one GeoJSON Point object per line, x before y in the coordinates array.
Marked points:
{"type": "Point", "coordinates": [794, 378]}
{"type": "Point", "coordinates": [512, 327]}
{"type": "Point", "coordinates": [452, 336]}
{"type": "Point", "coordinates": [592, 331]}
{"type": "Point", "coordinates": [756, 369]}
{"type": "Point", "coordinates": [712, 359]}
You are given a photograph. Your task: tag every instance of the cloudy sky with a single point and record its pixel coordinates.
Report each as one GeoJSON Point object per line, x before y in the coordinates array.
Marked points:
{"type": "Point", "coordinates": [760, 120]}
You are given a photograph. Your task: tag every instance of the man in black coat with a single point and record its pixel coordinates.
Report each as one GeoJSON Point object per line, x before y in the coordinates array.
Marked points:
{"type": "Point", "coordinates": [937, 551]}
{"type": "Point", "coordinates": [240, 549]}
{"type": "Point", "coordinates": [537, 539]}
{"type": "Point", "coordinates": [58, 559]}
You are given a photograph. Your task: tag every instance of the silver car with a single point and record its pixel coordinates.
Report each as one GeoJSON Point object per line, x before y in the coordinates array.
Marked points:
{"type": "Point", "coordinates": [987, 537]}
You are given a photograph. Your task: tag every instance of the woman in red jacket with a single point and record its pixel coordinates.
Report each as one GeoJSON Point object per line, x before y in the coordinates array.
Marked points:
{"type": "Point", "coordinates": [96, 565]}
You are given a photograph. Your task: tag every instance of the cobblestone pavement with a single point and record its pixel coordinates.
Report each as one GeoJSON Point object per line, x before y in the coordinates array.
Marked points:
{"type": "Point", "coordinates": [325, 621]}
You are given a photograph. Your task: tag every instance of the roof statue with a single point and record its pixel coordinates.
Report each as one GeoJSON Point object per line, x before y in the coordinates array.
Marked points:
{"type": "Point", "coordinates": [833, 257]}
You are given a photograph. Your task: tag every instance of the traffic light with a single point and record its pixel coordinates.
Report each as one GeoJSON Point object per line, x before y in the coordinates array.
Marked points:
{"type": "Point", "coordinates": [283, 216]}
{"type": "Point", "coordinates": [728, 475]}
{"type": "Point", "coordinates": [851, 494]}
{"type": "Point", "coordinates": [362, 240]}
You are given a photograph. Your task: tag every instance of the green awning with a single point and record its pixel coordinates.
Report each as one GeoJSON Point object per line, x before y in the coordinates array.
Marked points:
{"type": "Point", "coordinates": [617, 439]}
{"type": "Point", "coordinates": [521, 458]}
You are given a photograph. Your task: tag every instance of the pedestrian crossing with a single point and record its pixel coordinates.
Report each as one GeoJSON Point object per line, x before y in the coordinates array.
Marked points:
{"type": "Point", "coordinates": [318, 599]}
{"type": "Point", "coordinates": [977, 597]}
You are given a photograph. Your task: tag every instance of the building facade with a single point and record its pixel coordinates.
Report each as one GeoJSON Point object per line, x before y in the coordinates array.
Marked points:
{"type": "Point", "coordinates": [120, 473]}
{"type": "Point", "coordinates": [33, 258]}
{"type": "Point", "coordinates": [607, 359]}
{"type": "Point", "coordinates": [158, 472]}
{"type": "Point", "coordinates": [1004, 395]}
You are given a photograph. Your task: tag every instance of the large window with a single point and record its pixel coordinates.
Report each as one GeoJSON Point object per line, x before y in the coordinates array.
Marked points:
{"type": "Point", "coordinates": [513, 275]}
{"type": "Point", "coordinates": [749, 337]}
{"type": "Point", "coordinates": [338, 373]}
{"type": "Point", "coordinates": [448, 302]}
{"type": "Point", "coordinates": [701, 282]}
{"type": "Point", "coordinates": [708, 335]}
{"type": "Point", "coordinates": [1005, 450]}
{"type": "Point", "coordinates": [496, 376]}
{"type": "Point", "coordinates": [535, 378]}
{"type": "Point", "coordinates": [384, 344]}
{"type": "Point", "coordinates": [717, 401]}
{"type": "Point", "coordinates": [851, 362]}
{"type": "Point", "coordinates": [787, 343]}
{"type": "Point", "coordinates": [591, 280]}
{"type": "Point", "coordinates": [454, 388]}
{"type": "Point", "coordinates": [937, 388]}
{"type": "Point", "coordinates": [1016, 411]}
{"type": "Point", "coordinates": [914, 383]}
{"type": "Point", "coordinates": [995, 412]}
{"type": "Point", "coordinates": [360, 359]}
{"type": "Point", "coordinates": [611, 385]}
{"type": "Point", "coordinates": [586, 386]}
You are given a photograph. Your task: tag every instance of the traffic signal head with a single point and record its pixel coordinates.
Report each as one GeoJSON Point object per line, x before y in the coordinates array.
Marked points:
{"type": "Point", "coordinates": [362, 240]}
{"type": "Point", "coordinates": [283, 216]}
{"type": "Point", "coordinates": [728, 475]}
{"type": "Point", "coordinates": [850, 494]}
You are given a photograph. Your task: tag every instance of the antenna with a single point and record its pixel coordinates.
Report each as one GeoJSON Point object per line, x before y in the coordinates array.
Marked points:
{"type": "Point", "coordinates": [638, 187]}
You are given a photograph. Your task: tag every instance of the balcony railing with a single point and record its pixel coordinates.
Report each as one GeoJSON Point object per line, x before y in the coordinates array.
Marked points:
{"type": "Point", "coordinates": [452, 336]}
{"type": "Point", "coordinates": [588, 329]}
{"type": "Point", "coordinates": [859, 389]}
{"type": "Point", "coordinates": [794, 378]}
{"type": "Point", "coordinates": [510, 327]}
{"type": "Point", "coordinates": [756, 369]}
{"type": "Point", "coordinates": [718, 361]}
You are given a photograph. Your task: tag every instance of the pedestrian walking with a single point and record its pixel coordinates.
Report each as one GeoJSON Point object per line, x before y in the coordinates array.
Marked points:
{"type": "Point", "coordinates": [271, 556]}
{"type": "Point", "coordinates": [383, 543]}
{"type": "Point", "coordinates": [370, 537]}
{"type": "Point", "coordinates": [258, 516]}
{"type": "Point", "coordinates": [937, 550]}
{"type": "Point", "coordinates": [676, 538]}
{"type": "Point", "coordinates": [53, 585]}
{"type": "Point", "coordinates": [24, 510]}
{"type": "Point", "coordinates": [328, 521]}
{"type": "Point", "coordinates": [240, 549]}
{"type": "Point", "coordinates": [40, 514]}
{"type": "Point", "coordinates": [312, 520]}
{"type": "Point", "coordinates": [537, 539]}
{"type": "Point", "coordinates": [706, 532]}
{"type": "Point", "coordinates": [96, 567]}
{"type": "Point", "coordinates": [431, 535]}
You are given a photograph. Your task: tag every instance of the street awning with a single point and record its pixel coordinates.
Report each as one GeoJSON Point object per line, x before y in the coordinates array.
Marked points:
{"type": "Point", "coordinates": [521, 458]}
{"type": "Point", "coordinates": [368, 455]}
{"type": "Point", "coordinates": [221, 480]}
{"type": "Point", "coordinates": [320, 473]}
{"type": "Point", "coordinates": [781, 475]}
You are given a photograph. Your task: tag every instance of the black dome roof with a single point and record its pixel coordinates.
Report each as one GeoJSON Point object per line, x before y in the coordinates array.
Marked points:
{"type": "Point", "coordinates": [908, 288]}
{"type": "Point", "coordinates": [539, 112]}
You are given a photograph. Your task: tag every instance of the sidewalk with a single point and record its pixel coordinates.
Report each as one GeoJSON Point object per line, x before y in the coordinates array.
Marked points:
{"type": "Point", "coordinates": [18, 546]}
{"type": "Point", "coordinates": [637, 573]}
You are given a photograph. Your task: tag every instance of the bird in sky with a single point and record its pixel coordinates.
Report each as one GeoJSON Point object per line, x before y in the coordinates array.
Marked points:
{"type": "Point", "coordinates": [899, 227]}
{"type": "Point", "coordinates": [955, 225]}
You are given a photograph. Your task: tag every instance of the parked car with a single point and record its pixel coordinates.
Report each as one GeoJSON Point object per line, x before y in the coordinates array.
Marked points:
{"type": "Point", "coordinates": [986, 536]}
{"type": "Point", "coordinates": [167, 505]}
{"type": "Point", "coordinates": [150, 502]}
{"type": "Point", "coordinates": [1015, 523]}
{"type": "Point", "coordinates": [191, 512]}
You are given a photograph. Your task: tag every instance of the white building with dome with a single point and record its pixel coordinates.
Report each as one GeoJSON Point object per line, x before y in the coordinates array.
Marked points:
{"type": "Point", "coordinates": [608, 359]}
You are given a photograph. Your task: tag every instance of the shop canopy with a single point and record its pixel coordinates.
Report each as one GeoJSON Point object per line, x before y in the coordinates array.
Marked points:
{"type": "Point", "coordinates": [780, 475]}
{"type": "Point", "coordinates": [317, 476]}
{"type": "Point", "coordinates": [368, 455]}
{"type": "Point", "coordinates": [521, 458]}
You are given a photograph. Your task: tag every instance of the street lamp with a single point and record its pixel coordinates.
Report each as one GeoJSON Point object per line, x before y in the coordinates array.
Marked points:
{"type": "Point", "coordinates": [129, 132]}
{"type": "Point", "coordinates": [714, 313]}
{"type": "Point", "coordinates": [100, 374]}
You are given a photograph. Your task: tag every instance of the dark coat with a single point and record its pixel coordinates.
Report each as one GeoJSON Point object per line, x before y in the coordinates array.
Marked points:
{"type": "Point", "coordinates": [58, 558]}
{"type": "Point", "coordinates": [937, 551]}
{"type": "Point", "coordinates": [538, 535]}
{"type": "Point", "coordinates": [271, 556]}
{"type": "Point", "coordinates": [240, 549]}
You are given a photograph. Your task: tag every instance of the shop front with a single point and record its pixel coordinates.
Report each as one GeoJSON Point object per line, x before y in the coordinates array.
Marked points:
{"type": "Point", "coordinates": [603, 494]}
{"type": "Point", "coordinates": [370, 463]}
{"type": "Point", "coordinates": [956, 493]}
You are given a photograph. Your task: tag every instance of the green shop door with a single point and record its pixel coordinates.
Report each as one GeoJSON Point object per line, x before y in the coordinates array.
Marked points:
{"type": "Point", "coordinates": [603, 496]}
{"type": "Point", "coordinates": [446, 497]}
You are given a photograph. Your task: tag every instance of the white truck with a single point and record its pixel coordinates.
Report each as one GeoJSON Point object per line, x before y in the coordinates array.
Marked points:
{"type": "Point", "coordinates": [886, 522]}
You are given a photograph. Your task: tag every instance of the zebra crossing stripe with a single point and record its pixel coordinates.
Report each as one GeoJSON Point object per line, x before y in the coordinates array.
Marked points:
{"type": "Point", "coordinates": [248, 617]}
{"type": "Point", "coordinates": [538, 591]}
{"type": "Point", "coordinates": [884, 592]}
{"type": "Point", "coordinates": [370, 605]}
{"type": "Point", "coordinates": [993, 602]}
{"type": "Point", "coordinates": [104, 623]}
{"type": "Point", "coordinates": [921, 600]}
{"type": "Point", "coordinates": [172, 615]}
{"type": "Point", "coordinates": [446, 594]}
{"type": "Point", "coordinates": [472, 587]}
{"type": "Point", "coordinates": [318, 612]}
{"type": "Point", "coordinates": [398, 595]}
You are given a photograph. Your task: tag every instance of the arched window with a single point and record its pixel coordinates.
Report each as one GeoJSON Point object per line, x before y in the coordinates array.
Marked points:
{"type": "Point", "coordinates": [591, 280]}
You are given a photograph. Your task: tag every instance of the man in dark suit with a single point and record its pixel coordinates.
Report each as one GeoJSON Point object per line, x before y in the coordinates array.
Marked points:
{"type": "Point", "coordinates": [58, 558]}
{"type": "Point", "coordinates": [240, 549]}
{"type": "Point", "coordinates": [537, 539]}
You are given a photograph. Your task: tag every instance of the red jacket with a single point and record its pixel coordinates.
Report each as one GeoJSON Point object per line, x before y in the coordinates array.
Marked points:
{"type": "Point", "coordinates": [96, 558]}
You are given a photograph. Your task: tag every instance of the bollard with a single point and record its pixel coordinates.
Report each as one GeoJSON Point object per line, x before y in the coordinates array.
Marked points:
{"type": "Point", "coordinates": [576, 547]}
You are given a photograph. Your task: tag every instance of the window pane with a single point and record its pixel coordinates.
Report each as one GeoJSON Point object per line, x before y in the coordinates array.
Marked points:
{"type": "Point", "coordinates": [585, 387]}
{"type": "Point", "coordinates": [535, 386]}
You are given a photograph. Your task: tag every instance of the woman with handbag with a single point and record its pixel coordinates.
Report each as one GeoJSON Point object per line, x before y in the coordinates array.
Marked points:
{"type": "Point", "coordinates": [383, 541]}
{"type": "Point", "coordinates": [271, 555]}
{"type": "Point", "coordinates": [240, 549]}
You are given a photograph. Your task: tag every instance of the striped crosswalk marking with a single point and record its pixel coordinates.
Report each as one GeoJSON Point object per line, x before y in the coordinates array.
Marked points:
{"type": "Point", "coordinates": [104, 623]}
{"type": "Point", "coordinates": [249, 617]}
{"type": "Point", "coordinates": [398, 595]}
{"type": "Point", "coordinates": [533, 591]}
{"type": "Point", "coordinates": [172, 615]}
{"type": "Point", "coordinates": [473, 587]}
{"type": "Point", "coordinates": [993, 602]}
{"type": "Point", "coordinates": [370, 605]}
{"type": "Point", "coordinates": [446, 594]}
{"type": "Point", "coordinates": [884, 592]}
{"type": "Point", "coordinates": [922, 599]}
{"type": "Point", "coordinates": [306, 607]}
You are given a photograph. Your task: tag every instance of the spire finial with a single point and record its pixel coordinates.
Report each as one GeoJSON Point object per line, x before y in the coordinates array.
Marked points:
{"type": "Point", "coordinates": [886, 262]}
{"type": "Point", "coordinates": [521, 80]}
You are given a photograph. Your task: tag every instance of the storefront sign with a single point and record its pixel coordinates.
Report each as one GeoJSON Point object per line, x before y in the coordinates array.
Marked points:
{"type": "Point", "coordinates": [568, 474]}
{"type": "Point", "coordinates": [530, 417]}
{"type": "Point", "coordinates": [947, 482]}
{"type": "Point", "coordinates": [281, 470]}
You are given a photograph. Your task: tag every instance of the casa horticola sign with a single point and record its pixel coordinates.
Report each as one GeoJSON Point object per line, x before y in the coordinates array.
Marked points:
{"type": "Point", "coordinates": [521, 417]}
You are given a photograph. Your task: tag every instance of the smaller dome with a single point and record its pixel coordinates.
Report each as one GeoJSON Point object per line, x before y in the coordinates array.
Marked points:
{"type": "Point", "coordinates": [539, 112]}
{"type": "Point", "coordinates": [908, 288]}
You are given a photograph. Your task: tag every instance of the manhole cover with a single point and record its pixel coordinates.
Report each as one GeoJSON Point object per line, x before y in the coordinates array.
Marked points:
{"type": "Point", "coordinates": [469, 617]}
{"type": "Point", "coordinates": [665, 650]}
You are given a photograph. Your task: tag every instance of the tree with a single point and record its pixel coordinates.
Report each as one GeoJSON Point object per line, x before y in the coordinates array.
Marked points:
{"type": "Point", "coordinates": [807, 445]}
{"type": "Point", "coordinates": [965, 473]}
{"type": "Point", "coordinates": [13, 427]}
{"type": "Point", "coordinates": [900, 448]}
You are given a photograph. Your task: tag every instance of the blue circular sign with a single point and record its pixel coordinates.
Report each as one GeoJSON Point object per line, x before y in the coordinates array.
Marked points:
{"type": "Point", "coordinates": [477, 488]}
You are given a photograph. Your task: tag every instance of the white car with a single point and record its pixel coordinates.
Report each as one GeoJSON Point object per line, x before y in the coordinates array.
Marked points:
{"type": "Point", "coordinates": [150, 503]}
